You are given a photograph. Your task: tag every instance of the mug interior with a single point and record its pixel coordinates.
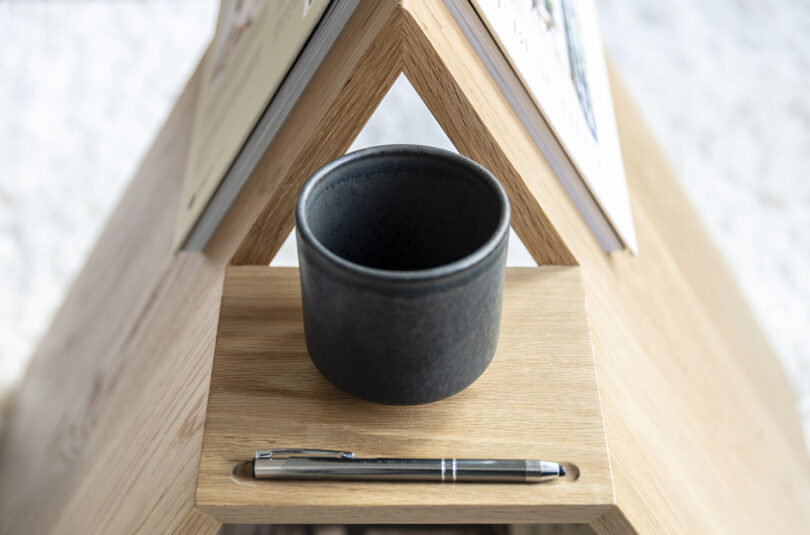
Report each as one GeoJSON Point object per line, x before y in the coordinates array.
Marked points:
{"type": "Point", "coordinates": [404, 211]}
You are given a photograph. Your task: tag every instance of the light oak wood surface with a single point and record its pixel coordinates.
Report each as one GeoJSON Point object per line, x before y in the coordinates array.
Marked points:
{"type": "Point", "coordinates": [684, 371]}
{"type": "Point", "coordinates": [105, 433]}
{"type": "Point", "coordinates": [537, 400]}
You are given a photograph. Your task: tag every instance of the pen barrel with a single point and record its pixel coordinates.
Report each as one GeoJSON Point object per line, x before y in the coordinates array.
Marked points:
{"type": "Point", "coordinates": [349, 469]}
{"type": "Point", "coordinates": [385, 469]}
{"type": "Point", "coordinates": [488, 471]}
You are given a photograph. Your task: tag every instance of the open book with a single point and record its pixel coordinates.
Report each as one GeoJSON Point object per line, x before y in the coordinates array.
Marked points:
{"type": "Point", "coordinates": [546, 56]}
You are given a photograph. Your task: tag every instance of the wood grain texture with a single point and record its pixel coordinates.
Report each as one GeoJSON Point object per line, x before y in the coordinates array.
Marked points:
{"type": "Point", "coordinates": [684, 371]}
{"type": "Point", "coordinates": [197, 522]}
{"type": "Point", "coordinates": [115, 396]}
{"type": "Point", "coordinates": [707, 390]}
{"type": "Point", "coordinates": [550, 529]}
{"type": "Point", "coordinates": [453, 82]}
{"type": "Point", "coordinates": [105, 432]}
{"type": "Point", "coordinates": [538, 399]}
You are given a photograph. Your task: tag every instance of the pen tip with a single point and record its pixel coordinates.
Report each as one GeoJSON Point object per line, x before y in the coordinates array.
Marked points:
{"type": "Point", "coordinates": [562, 470]}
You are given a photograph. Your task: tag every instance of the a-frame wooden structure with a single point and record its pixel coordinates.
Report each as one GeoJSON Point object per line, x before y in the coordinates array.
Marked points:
{"type": "Point", "coordinates": [106, 431]}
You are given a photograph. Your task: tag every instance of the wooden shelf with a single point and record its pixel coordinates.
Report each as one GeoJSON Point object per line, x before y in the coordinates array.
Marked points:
{"type": "Point", "coordinates": [538, 399]}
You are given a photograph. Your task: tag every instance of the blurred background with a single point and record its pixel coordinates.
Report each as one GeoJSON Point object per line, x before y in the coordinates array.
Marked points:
{"type": "Point", "coordinates": [85, 86]}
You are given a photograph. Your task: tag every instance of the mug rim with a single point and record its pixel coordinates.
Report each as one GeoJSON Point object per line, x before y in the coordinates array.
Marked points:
{"type": "Point", "coordinates": [455, 267]}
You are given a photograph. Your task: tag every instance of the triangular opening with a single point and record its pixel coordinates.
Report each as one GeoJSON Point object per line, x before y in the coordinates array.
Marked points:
{"type": "Point", "coordinates": [402, 117]}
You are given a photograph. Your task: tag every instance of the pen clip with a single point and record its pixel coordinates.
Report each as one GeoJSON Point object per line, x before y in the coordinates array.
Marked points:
{"type": "Point", "coordinates": [286, 453]}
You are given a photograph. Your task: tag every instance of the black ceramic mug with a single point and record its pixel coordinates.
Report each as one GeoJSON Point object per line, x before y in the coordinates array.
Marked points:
{"type": "Point", "coordinates": [402, 254]}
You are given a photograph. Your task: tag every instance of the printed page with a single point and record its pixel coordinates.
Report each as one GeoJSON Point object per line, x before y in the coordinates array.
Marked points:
{"type": "Point", "coordinates": [555, 48]}
{"type": "Point", "coordinates": [256, 43]}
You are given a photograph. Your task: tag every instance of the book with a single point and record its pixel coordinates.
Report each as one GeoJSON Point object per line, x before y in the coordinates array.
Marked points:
{"type": "Point", "coordinates": [547, 57]}
{"type": "Point", "coordinates": [262, 56]}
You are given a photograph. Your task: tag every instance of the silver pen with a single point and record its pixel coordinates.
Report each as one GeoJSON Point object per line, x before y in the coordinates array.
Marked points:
{"type": "Point", "coordinates": [329, 464]}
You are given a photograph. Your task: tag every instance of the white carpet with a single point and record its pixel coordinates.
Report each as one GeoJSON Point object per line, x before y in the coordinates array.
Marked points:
{"type": "Point", "coordinates": [84, 86]}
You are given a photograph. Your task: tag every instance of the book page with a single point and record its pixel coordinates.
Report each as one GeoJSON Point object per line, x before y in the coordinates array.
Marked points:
{"type": "Point", "coordinates": [555, 48]}
{"type": "Point", "coordinates": [255, 44]}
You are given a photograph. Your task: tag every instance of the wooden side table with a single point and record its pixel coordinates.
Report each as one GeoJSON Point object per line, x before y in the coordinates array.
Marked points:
{"type": "Point", "coordinates": [698, 428]}
{"type": "Point", "coordinates": [540, 394]}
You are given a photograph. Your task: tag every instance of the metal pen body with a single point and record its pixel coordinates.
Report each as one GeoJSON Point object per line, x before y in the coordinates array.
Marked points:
{"type": "Point", "coordinates": [394, 469]}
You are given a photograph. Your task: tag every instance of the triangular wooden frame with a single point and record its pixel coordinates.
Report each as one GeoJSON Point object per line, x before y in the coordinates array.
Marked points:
{"type": "Point", "coordinates": [421, 40]}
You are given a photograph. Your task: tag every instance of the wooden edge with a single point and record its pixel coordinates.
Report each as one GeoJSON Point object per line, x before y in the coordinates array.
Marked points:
{"type": "Point", "coordinates": [347, 89]}
{"type": "Point", "coordinates": [612, 522]}
{"type": "Point", "coordinates": [548, 529]}
{"type": "Point", "coordinates": [556, 514]}
{"type": "Point", "coordinates": [432, 43]}
{"type": "Point", "coordinates": [197, 523]}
